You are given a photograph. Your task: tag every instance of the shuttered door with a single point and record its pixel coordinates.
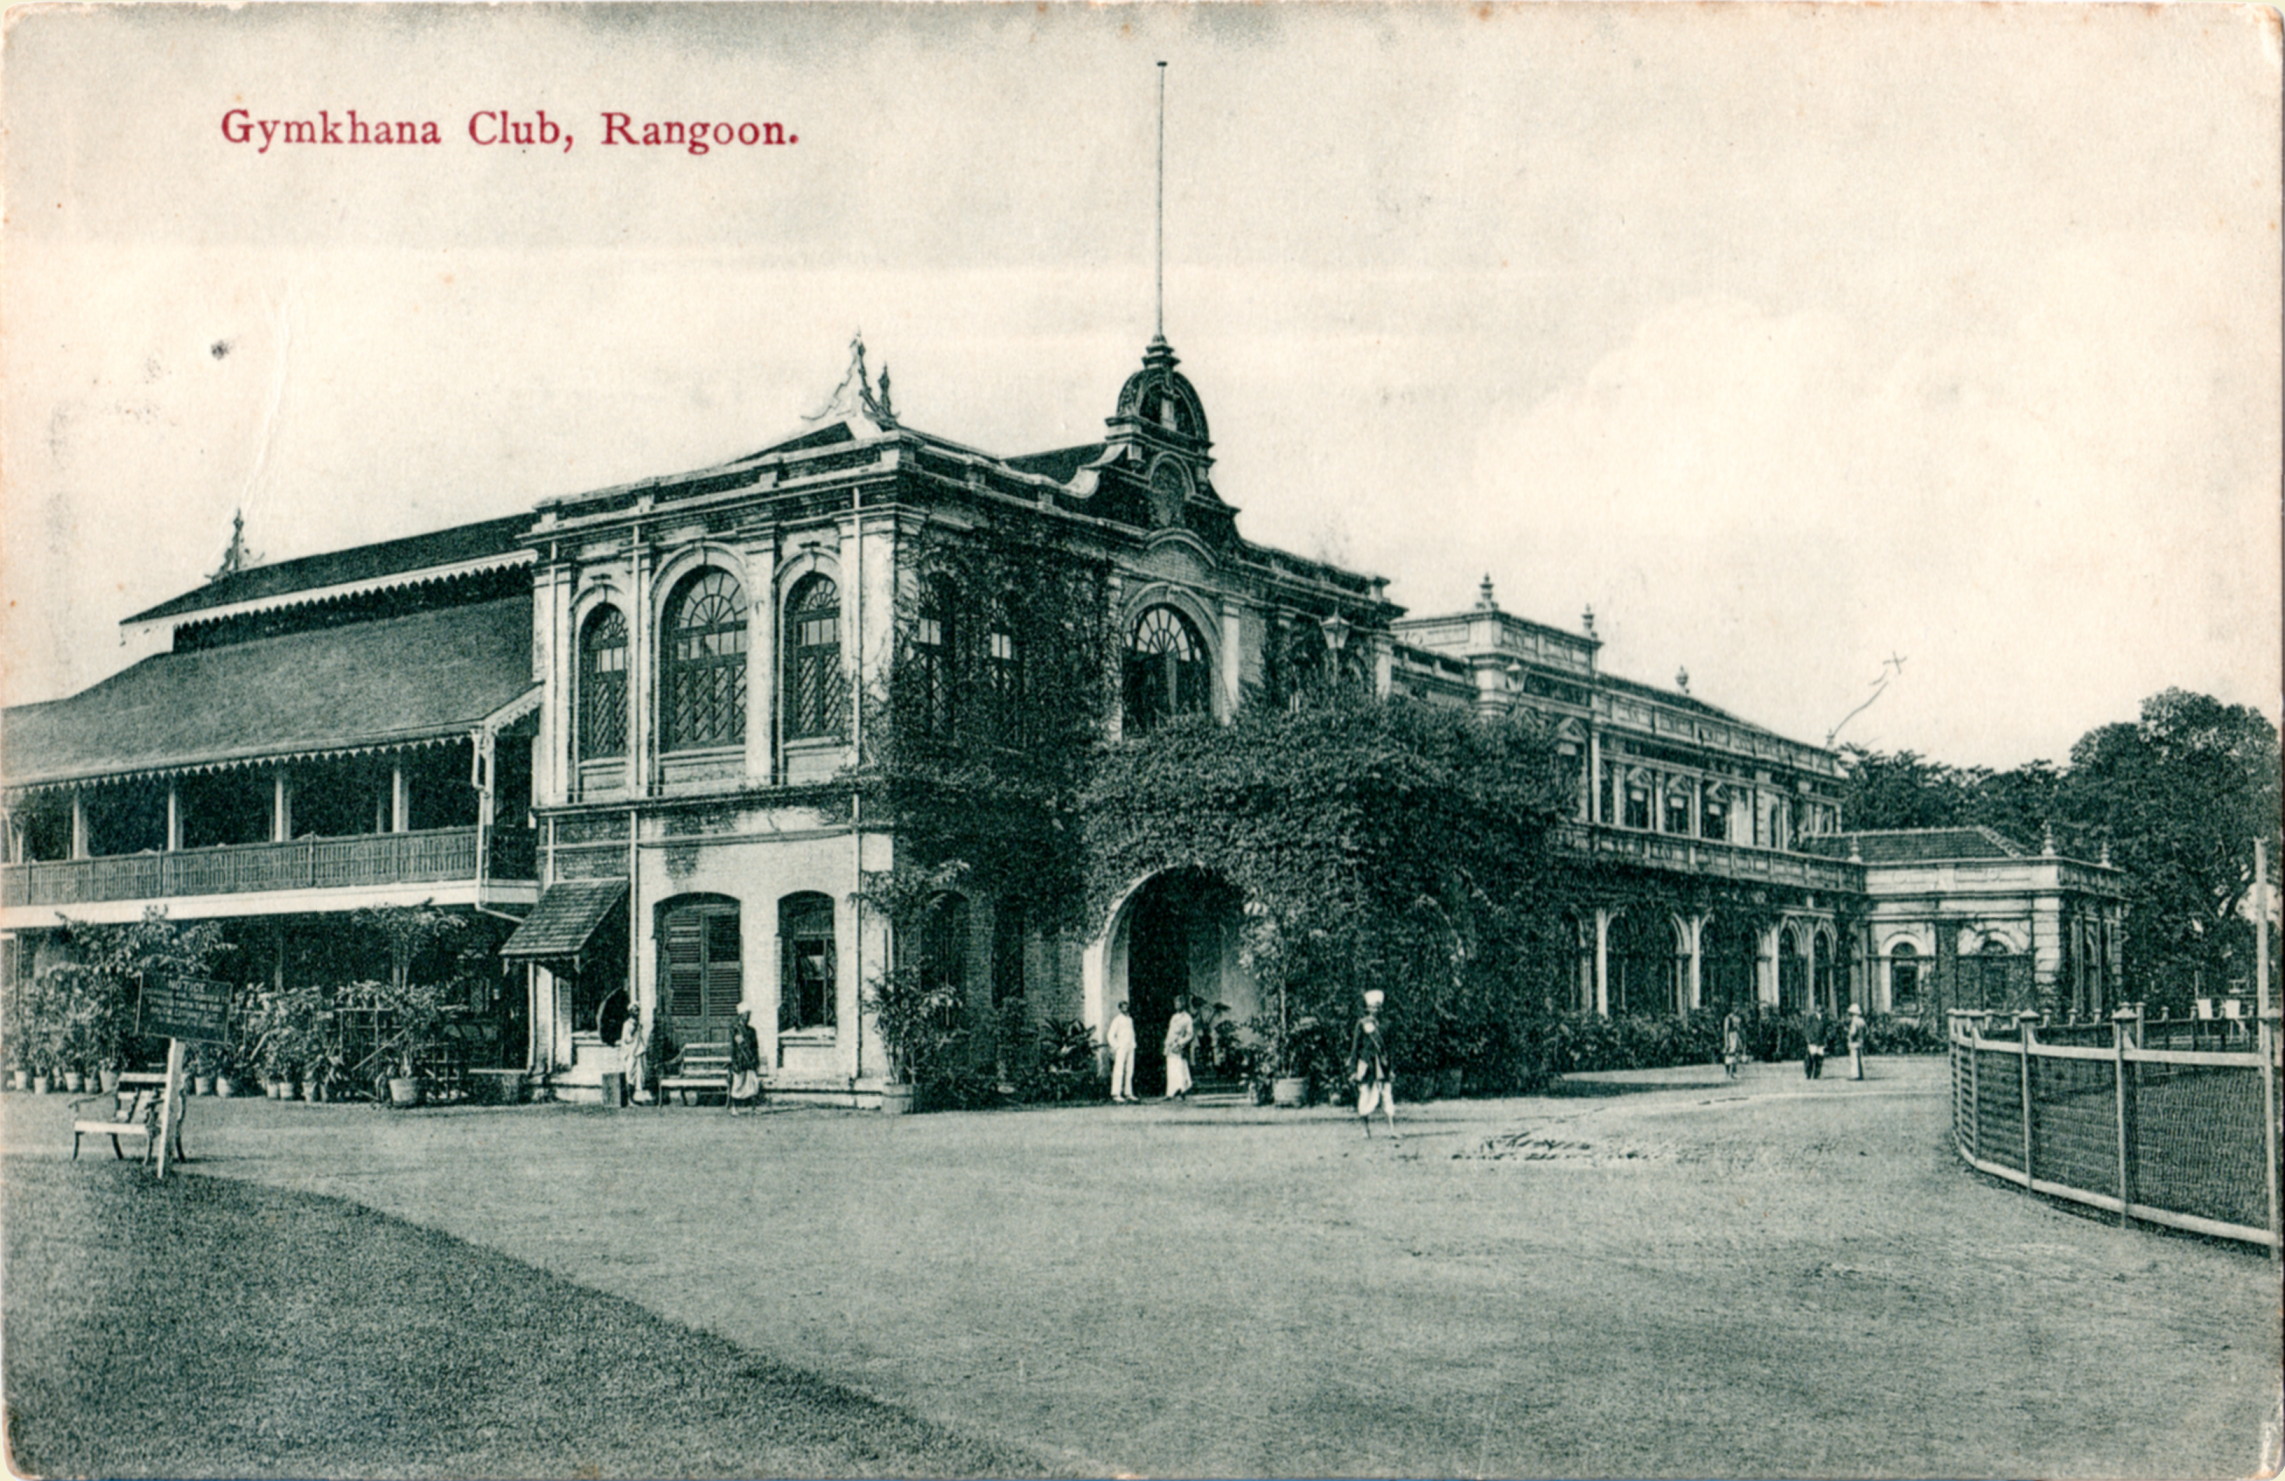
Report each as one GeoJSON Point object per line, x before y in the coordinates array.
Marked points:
{"type": "Point", "coordinates": [700, 981]}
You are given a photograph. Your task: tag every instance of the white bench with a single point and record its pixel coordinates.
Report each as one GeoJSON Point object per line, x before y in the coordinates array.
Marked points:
{"type": "Point", "coordinates": [134, 1117]}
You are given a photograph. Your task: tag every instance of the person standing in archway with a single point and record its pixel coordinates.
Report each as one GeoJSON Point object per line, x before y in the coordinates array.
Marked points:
{"type": "Point", "coordinates": [1119, 1038]}
{"type": "Point", "coordinates": [1181, 1033]}
{"type": "Point", "coordinates": [1369, 1066]}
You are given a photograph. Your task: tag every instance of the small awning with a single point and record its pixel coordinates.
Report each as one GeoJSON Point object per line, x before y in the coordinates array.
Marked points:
{"type": "Point", "coordinates": [566, 916]}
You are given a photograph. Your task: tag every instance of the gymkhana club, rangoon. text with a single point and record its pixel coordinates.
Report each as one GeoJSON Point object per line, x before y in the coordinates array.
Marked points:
{"type": "Point", "coordinates": [489, 126]}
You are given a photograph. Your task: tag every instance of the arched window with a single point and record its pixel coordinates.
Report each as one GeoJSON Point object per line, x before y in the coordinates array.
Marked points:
{"type": "Point", "coordinates": [1007, 952]}
{"type": "Point", "coordinates": [603, 685]}
{"type": "Point", "coordinates": [806, 974]}
{"type": "Point", "coordinates": [1792, 971]}
{"type": "Point", "coordinates": [1903, 978]}
{"type": "Point", "coordinates": [1644, 964]}
{"type": "Point", "coordinates": [944, 944]}
{"type": "Point", "coordinates": [703, 687]}
{"type": "Point", "coordinates": [814, 692]}
{"type": "Point", "coordinates": [935, 659]}
{"type": "Point", "coordinates": [1166, 670]}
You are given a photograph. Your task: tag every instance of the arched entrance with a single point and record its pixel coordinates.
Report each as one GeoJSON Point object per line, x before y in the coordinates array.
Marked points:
{"type": "Point", "coordinates": [1176, 936]}
{"type": "Point", "coordinates": [1645, 964]}
{"type": "Point", "coordinates": [1726, 965]}
{"type": "Point", "coordinates": [1793, 970]}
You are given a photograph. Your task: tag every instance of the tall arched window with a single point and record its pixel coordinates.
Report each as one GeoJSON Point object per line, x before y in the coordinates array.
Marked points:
{"type": "Point", "coordinates": [814, 692]}
{"type": "Point", "coordinates": [1903, 978]}
{"type": "Point", "coordinates": [806, 972]}
{"type": "Point", "coordinates": [1792, 971]}
{"type": "Point", "coordinates": [702, 699]}
{"type": "Point", "coordinates": [1166, 672]}
{"type": "Point", "coordinates": [934, 658]}
{"type": "Point", "coordinates": [603, 685]}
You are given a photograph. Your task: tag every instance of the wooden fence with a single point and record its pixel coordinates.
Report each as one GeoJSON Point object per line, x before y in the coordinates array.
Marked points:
{"type": "Point", "coordinates": [2092, 1113]}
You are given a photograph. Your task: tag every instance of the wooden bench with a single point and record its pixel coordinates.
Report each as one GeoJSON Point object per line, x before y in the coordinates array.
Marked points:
{"type": "Point", "coordinates": [134, 1116]}
{"type": "Point", "coordinates": [701, 1069]}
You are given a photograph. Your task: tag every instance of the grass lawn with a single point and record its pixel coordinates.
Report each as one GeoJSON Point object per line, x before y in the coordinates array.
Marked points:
{"type": "Point", "coordinates": [1674, 1276]}
{"type": "Point", "coordinates": [204, 1327]}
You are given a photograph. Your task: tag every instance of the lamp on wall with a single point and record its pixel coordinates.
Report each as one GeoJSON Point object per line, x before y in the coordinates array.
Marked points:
{"type": "Point", "coordinates": [1336, 633]}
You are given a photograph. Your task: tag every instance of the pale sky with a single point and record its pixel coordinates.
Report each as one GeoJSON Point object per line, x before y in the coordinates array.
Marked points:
{"type": "Point", "coordinates": [1788, 338]}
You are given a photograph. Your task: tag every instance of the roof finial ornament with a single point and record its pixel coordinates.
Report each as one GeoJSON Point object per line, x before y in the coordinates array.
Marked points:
{"type": "Point", "coordinates": [1682, 680]}
{"type": "Point", "coordinates": [2047, 840]}
{"type": "Point", "coordinates": [1587, 619]}
{"type": "Point", "coordinates": [237, 557]}
{"type": "Point", "coordinates": [855, 395]}
{"type": "Point", "coordinates": [1484, 599]}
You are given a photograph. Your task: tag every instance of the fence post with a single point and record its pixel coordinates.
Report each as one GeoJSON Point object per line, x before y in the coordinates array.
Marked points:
{"type": "Point", "coordinates": [1975, 1090]}
{"type": "Point", "coordinates": [2266, 1037]}
{"type": "Point", "coordinates": [2025, 1021]}
{"type": "Point", "coordinates": [2118, 1041]}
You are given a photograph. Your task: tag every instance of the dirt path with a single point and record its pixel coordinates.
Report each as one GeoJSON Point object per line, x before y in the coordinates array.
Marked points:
{"type": "Point", "coordinates": [1768, 1278]}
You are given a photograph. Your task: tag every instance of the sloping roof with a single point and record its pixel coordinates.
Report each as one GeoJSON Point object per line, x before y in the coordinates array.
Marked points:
{"type": "Point", "coordinates": [564, 918]}
{"type": "Point", "coordinates": [1917, 845]}
{"type": "Point", "coordinates": [396, 680]}
{"type": "Point", "coordinates": [1060, 465]}
{"type": "Point", "coordinates": [358, 563]}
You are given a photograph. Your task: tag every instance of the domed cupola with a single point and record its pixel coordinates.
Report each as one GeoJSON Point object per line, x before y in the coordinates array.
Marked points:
{"type": "Point", "coordinates": [1159, 434]}
{"type": "Point", "coordinates": [1159, 409]}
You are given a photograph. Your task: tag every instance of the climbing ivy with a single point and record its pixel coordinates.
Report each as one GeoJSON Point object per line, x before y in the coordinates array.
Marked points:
{"type": "Point", "coordinates": [1377, 844]}
{"type": "Point", "coordinates": [983, 735]}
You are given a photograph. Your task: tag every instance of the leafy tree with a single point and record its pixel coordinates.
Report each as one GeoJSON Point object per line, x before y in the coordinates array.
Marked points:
{"type": "Point", "coordinates": [2182, 794]}
{"type": "Point", "coordinates": [1903, 789]}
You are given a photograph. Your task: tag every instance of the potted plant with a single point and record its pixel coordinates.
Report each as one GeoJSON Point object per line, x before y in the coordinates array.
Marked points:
{"type": "Point", "coordinates": [919, 1025]}
{"type": "Point", "coordinates": [1293, 1054]}
{"type": "Point", "coordinates": [416, 1014]}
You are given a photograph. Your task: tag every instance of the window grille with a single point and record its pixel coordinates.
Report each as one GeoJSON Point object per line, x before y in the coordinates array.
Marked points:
{"type": "Point", "coordinates": [603, 685]}
{"type": "Point", "coordinates": [1166, 672]}
{"type": "Point", "coordinates": [816, 695]}
{"type": "Point", "coordinates": [704, 700]}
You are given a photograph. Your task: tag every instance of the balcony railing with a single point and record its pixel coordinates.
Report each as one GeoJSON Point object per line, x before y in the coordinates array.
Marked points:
{"type": "Point", "coordinates": [1704, 856]}
{"type": "Point", "coordinates": [431, 856]}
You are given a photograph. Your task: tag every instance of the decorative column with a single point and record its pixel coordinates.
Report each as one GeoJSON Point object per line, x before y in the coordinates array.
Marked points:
{"type": "Point", "coordinates": [281, 807]}
{"type": "Point", "coordinates": [174, 816]}
{"type": "Point", "coordinates": [1696, 927]}
{"type": "Point", "coordinates": [78, 824]}
{"type": "Point", "coordinates": [400, 799]}
{"type": "Point", "coordinates": [1602, 962]}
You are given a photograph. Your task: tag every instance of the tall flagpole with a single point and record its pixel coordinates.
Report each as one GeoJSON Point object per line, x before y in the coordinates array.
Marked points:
{"type": "Point", "coordinates": [1158, 219]}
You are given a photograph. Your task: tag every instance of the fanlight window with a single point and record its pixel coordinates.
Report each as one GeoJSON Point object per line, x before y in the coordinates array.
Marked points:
{"type": "Point", "coordinates": [814, 691]}
{"type": "Point", "coordinates": [1166, 667]}
{"type": "Point", "coordinates": [703, 700]}
{"type": "Point", "coordinates": [603, 685]}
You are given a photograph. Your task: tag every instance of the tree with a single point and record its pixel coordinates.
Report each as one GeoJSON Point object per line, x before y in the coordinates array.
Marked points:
{"type": "Point", "coordinates": [2182, 794]}
{"type": "Point", "coordinates": [1904, 789]}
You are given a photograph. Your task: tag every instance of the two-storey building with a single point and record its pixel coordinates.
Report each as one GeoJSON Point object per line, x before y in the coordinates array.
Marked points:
{"type": "Point", "coordinates": [629, 720]}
